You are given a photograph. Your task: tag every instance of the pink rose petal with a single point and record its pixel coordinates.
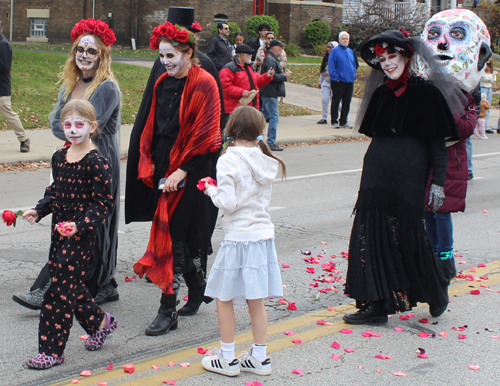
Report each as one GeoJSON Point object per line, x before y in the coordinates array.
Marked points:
{"type": "Point", "coordinates": [400, 374]}
{"type": "Point", "coordinates": [186, 298]}
{"type": "Point", "coordinates": [348, 350]}
{"type": "Point", "coordinates": [423, 334]}
{"type": "Point", "coordinates": [495, 336]}
{"type": "Point", "coordinates": [289, 332]}
{"type": "Point", "coordinates": [298, 371]}
{"type": "Point", "coordinates": [336, 345]}
{"type": "Point", "coordinates": [86, 373]}
{"type": "Point", "coordinates": [330, 308]}
{"type": "Point", "coordinates": [84, 337]}
{"type": "Point", "coordinates": [202, 351]}
{"type": "Point", "coordinates": [171, 364]}
{"type": "Point", "coordinates": [481, 265]}
{"type": "Point", "coordinates": [423, 356]}
{"type": "Point", "coordinates": [323, 323]}
{"type": "Point", "coordinates": [461, 262]}
{"type": "Point", "coordinates": [381, 356]}
{"type": "Point", "coordinates": [346, 331]}
{"type": "Point", "coordinates": [398, 329]}
{"type": "Point", "coordinates": [184, 364]}
{"type": "Point", "coordinates": [473, 269]}
{"type": "Point", "coordinates": [128, 368]}
{"type": "Point", "coordinates": [292, 306]}
{"type": "Point", "coordinates": [285, 265]}
{"type": "Point", "coordinates": [110, 367]}
{"type": "Point", "coordinates": [444, 334]}
{"type": "Point", "coordinates": [102, 383]}
{"type": "Point", "coordinates": [335, 356]}
{"type": "Point", "coordinates": [75, 381]}
{"type": "Point", "coordinates": [424, 320]}
{"type": "Point", "coordinates": [462, 336]}
{"type": "Point", "coordinates": [282, 301]}
{"type": "Point", "coordinates": [485, 211]}
{"type": "Point", "coordinates": [324, 242]}
{"type": "Point", "coordinates": [172, 382]}
{"type": "Point", "coordinates": [296, 341]}
{"type": "Point", "coordinates": [473, 367]}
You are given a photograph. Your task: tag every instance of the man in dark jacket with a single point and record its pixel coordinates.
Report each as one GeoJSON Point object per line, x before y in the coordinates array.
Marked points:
{"type": "Point", "coordinates": [342, 66]}
{"type": "Point", "coordinates": [5, 92]}
{"type": "Point", "coordinates": [273, 90]}
{"type": "Point", "coordinates": [220, 49]}
{"type": "Point", "coordinates": [263, 29]}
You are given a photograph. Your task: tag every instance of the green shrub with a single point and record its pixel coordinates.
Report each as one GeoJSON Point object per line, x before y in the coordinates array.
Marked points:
{"type": "Point", "coordinates": [292, 50]}
{"type": "Point", "coordinates": [319, 49]}
{"type": "Point", "coordinates": [253, 22]}
{"type": "Point", "coordinates": [317, 32]}
{"type": "Point", "coordinates": [233, 28]}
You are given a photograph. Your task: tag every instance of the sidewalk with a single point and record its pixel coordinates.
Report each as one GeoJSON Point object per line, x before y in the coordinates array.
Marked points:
{"type": "Point", "coordinates": [300, 129]}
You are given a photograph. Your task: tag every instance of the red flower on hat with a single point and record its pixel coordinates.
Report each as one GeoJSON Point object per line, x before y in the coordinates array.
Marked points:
{"type": "Point", "coordinates": [196, 25]}
{"type": "Point", "coordinates": [170, 31]}
{"type": "Point", "coordinates": [379, 50]}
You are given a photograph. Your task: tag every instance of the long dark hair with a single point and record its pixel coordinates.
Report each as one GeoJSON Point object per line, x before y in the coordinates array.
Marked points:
{"type": "Point", "coordinates": [248, 123]}
{"type": "Point", "coordinates": [324, 63]}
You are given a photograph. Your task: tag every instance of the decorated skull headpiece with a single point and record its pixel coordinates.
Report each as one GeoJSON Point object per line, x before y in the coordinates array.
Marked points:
{"type": "Point", "coordinates": [460, 41]}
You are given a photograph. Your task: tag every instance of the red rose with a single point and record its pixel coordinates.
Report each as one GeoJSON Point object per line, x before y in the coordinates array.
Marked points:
{"type": "Point", "coordinates": [90, 25]}
{"type": "Point", "coordinates": [78, 29]}
{"type": "Point", "coordinates": [153, 43]}
{"type": "Point", "coordinates": [108, 37]}
{"type": "Point", "coordinates": [182, 36]}
{"type": "Point", "coordinates": [196, 26]}
{"type": "Point", "coordinates": [101, 27]}
{"type": "Point", "coordinates": [379, 50]}
{"type": "Point", "coordinates": [171, 31]}
{"type": "Point", "coordinates": [9, 217]}
{"type": "Point", "coordinates": [162, 29]}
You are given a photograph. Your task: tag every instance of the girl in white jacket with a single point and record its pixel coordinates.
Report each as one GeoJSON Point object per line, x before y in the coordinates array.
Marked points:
{"type": "Point", "coordinates": [246, 268]}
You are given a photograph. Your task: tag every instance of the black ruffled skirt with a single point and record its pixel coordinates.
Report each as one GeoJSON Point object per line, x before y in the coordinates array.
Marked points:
{"type": "Point", "coordinates": [390, 257]}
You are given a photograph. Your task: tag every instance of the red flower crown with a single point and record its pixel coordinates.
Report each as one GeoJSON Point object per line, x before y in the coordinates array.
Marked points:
{"type": "Point", "coordinates": [171, 32]}
{"type": "Point", "coordinates": [96, 27]}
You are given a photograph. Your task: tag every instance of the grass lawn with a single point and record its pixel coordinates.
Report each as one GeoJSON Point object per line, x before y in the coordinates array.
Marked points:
{"type": "Point", "coordinates": [309, 76]}
{"type": "Point", "coordinates": [34, 87]}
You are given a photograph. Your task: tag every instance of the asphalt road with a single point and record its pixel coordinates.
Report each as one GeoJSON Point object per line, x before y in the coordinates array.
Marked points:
{"type": "Point", "coordinates": [314, 204]}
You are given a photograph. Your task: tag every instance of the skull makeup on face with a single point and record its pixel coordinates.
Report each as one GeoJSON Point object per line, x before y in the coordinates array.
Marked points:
{"type": "Point", "coordinates": [87, 53]}
{"type": "Point", "coordinates": [76, 129]}
{"type": "Point", "coordinates": [460, 42]}
{"type": "Point", "coordinates": [393, 64]}
{"type": "Point", "coordinates": [173, 60]}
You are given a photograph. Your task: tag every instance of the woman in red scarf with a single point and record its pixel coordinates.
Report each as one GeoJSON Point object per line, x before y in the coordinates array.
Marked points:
{"type": "Point", "coordinates": [175, 135]}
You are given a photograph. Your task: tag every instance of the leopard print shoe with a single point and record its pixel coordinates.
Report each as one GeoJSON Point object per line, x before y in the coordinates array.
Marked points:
{"type": "Point", "coordinates": [96, 340]}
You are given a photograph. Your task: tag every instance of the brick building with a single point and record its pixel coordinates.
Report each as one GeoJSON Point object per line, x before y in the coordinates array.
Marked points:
{"type": "Point", "coordinates": [51, 21]}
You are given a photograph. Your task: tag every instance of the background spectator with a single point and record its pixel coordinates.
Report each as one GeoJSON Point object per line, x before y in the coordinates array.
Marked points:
{"type": "Point", "coordinates": [220, 49]}
{"type": "Point", "coordinates": [324, 83]}
{"type": "Point", "coordinates": [263, 29]}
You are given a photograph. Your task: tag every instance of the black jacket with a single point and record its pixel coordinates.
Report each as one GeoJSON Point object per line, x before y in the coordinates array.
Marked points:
{"type": "Point", "coordinates": [255, 45]}
{"type": "Point", "coordinates": [220, 51]}
{"type": "Point", "coordinates": [5, 65]}
{"type": "Point", "coordinates": [277, 86]}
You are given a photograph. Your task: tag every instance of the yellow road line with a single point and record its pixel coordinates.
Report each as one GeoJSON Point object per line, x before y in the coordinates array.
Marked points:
{"type": "Point", "coordinates": [306, 326]}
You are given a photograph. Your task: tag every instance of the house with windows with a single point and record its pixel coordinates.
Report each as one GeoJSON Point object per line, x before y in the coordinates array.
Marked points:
{"type": "Point", "coordinates": [51, 21]}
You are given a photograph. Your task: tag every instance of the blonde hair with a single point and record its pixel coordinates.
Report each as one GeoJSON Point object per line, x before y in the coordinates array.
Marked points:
{"type": "Point", "coordinates": [248, 123]}
{"type": "Point", "coordinates": [71, 74]}
{"type": "Point", "coordinates": [83, 108]}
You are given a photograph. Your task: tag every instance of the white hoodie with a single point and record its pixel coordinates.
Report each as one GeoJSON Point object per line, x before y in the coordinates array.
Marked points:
{"type": "Point", "coordinates": [243, 193]}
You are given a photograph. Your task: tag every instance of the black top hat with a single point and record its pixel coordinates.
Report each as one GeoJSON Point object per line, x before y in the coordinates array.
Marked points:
{"type": "Point", "coordinates": [274, 43]}
{"type": "Point", "coordinates": [244, 49]}
{"type": "Point", "coordinates": [391, 40]}
{"type": "Point", "coordinates": [184, 17]}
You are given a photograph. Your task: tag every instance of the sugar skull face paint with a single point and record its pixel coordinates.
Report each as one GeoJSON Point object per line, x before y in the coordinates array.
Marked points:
{"type": "Point", "coordinates": [173, 60]}
{"type": "Point", "coordinates": [76, 129]}
{"type": "Point", "coordinates": [87, 53]}
{"type": "Point", "coordinates": [393, 64]}
{"type": "Point", "coordinates": [459, 40]}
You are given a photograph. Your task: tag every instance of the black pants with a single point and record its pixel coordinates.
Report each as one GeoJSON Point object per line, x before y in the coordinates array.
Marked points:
{"type": "Point", "coordinates": [341, 92]}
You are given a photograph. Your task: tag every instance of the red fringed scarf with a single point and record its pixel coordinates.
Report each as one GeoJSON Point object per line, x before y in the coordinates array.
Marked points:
{"type": "Point", "coordinates": [199, 133]}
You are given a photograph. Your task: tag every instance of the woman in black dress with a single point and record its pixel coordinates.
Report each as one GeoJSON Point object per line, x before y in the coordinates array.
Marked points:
{"type": "Point", "coordinates": [392, 265]}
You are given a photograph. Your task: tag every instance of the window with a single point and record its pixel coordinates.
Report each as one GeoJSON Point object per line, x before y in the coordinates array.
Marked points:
{"type": "Point", "coordinates": [38, 28]}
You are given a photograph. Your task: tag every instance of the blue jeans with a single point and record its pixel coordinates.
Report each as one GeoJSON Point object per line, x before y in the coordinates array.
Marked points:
{"type": "Point", "coordinates": [271, 112]}
{"type": "Point", "coordinates": [439, 227]}
{"type": "Point", "coordinates": [487, 91]}
{"type": "Point", "coordinates": [468, 147]}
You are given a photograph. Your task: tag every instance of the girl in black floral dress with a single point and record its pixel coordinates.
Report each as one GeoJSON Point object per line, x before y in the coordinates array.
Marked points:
{"type": "Point", "coordinates": [80, 201]}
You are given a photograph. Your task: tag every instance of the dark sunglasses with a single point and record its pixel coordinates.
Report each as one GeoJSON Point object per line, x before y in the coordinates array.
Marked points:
{"type": "Point", "coordinates": [91, 52]}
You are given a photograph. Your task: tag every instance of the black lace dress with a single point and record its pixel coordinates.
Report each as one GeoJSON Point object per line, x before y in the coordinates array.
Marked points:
{"type": "Point", "coordinates": [390, 257]}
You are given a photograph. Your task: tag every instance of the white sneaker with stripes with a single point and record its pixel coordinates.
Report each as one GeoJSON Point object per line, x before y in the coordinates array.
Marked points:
{"type": "Point", "coordinates": [214, 361]}
{"type": "Point", "coordinates": [250, 364]}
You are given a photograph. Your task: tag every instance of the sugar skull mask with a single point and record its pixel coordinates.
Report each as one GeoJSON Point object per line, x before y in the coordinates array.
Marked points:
{"type": "Point", "coordinates": [460, 42]}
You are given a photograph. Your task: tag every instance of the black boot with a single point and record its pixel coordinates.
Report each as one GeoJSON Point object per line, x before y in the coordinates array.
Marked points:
{"type": "Point", "coordinates": [438, 310]}
{"type": "Point", "coordinates": [448, 262]}
{"type": "Point", "coordinates": [372, 312]}
{"type": "Point", "coordinates": [196, 288]}
{"type": "Point", "coordinates": [166, 319]}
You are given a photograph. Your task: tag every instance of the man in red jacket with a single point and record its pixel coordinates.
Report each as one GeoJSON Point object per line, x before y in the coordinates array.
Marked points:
{"type": "Point", "coordinates": [239, 78]}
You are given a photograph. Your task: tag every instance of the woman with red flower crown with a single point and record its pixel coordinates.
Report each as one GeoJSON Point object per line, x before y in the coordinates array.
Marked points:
{"type": "Point", "coordinates": [169, 153]}
{"type": "Point", "coordinates": [87, 75]}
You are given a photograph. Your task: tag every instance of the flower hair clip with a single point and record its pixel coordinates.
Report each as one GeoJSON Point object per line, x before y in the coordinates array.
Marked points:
{"type": "Point", "coordinates": [96, 27]}
{"type": "Point", "coordinates": [171, 32]}
{"type": "Point", "coordinates": [196, 26]}
{"type": "Point", "coordinates": [379, 49]}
